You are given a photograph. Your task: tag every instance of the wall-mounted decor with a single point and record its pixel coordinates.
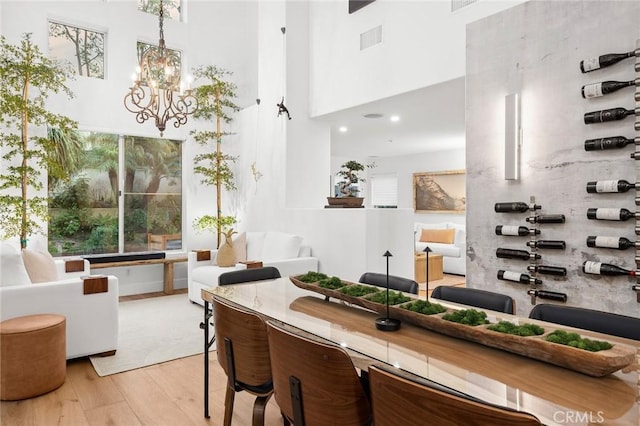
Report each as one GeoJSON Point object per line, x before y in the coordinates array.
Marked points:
{"type": "Point", "coordinates": [355, 5]}
{"type": "Point", "coordinates": [439, 192]}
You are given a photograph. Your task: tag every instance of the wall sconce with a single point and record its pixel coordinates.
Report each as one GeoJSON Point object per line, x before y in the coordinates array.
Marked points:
{"type": "Point", "coordinates": [512, 137]}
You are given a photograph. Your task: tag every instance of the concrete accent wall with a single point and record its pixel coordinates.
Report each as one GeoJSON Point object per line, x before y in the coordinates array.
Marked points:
{"type": "Point", "coordinates": [535, 49]}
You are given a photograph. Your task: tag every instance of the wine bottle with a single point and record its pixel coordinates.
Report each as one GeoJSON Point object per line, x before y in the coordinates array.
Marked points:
{"type": "Point", "coordinates": [549, 295]}
{"type": "Point", "coordinates": [612, 142]}
{"type": "Point", "coordinates": [599, 268]}
{"type": "Point", "coordinates": [605, 115]}
{"type": "Point", "coordinates": [603, 61]}
{"type": "Point", "coordinates": [546, 218]}
{"type": "Point", "coordinates": [620, 243]}
{"type": "Point", "coordinates": [600, 186]}
{"type": "Point", "coordinates": [596, 90]}
{"type": "Point", "coordinates": [505, 253]}
{"type": "Point", "coordinates": [610, 214]}
{"type": "Point", "coordinates": [515, 230]}
{"type": "Point", "coordinates": [515, 207]}
{"type": "Point", "coordinates": [548, 270]}
{"type": "Point", "coordinates": [517, 277]}
{"type": "Point", "coordinates": [547, 244]}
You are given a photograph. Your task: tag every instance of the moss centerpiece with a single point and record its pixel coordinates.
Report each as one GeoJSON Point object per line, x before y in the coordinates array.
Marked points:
{"type": "Point", "coordinates": [424, 307]}
{"type": "Point", "coordinates": [518, 330]}
{"type": "Point", "coordinates": [470, 317]}
{"type": "Point", "coordinates": [574, 340]}
{"type": "Point", "coordinates": [395, 297]}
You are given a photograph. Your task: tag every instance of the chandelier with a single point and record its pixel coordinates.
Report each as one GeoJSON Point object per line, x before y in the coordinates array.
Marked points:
{"type": "Point", "coordinates": [157, 91]}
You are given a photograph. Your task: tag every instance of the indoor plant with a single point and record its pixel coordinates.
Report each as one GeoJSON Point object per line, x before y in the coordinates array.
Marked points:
{"type": "Point", "coordinates": [347, 196]}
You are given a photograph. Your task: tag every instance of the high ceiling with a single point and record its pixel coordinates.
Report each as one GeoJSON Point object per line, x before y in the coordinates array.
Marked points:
{"type": "Point", "coordinates": [429, 119]}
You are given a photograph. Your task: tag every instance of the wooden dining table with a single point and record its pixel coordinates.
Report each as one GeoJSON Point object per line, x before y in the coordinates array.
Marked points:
{"type": "Point", "coordinates": [556, 395]}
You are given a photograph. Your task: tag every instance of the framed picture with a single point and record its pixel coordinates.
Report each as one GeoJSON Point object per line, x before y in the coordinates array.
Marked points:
{"type": "Point", "coordinates": [439, 192]}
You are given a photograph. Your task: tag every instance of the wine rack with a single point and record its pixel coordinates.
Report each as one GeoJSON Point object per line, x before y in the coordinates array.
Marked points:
{"type": "Point", "coordinates": [636, 156]}
{"type": "Point", "coordinates": [535, 267]}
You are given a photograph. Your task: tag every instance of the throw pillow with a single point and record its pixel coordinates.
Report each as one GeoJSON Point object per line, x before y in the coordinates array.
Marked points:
{"type": "Point", "coordinates": [280, 245]}
{"type": "Point", "coordinates": [240, 247]}
{"type": "Point", "coordinates": [12, 270]}
{"type": "Point", "coordinates": [40, 266]}
{"type": "Point", "coordinates": [444, 236]}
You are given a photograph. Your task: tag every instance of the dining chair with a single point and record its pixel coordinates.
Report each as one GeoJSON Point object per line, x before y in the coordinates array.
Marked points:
{"type": "Point", "coordinates": [227, 278]}
{"type": "Point", "coordinates": [243, 354]}
{"type": "Point", "coordinates": [395, 283]}
{"type": "Point", "coordinates": [246, 275]}
{"type": "Point", "coordinates": [588, 319]}
{"type": "Point", "coordinates": [474, 297]}
{"type": "Point", "coordinates": [400, 398]}
{"type": "Point", "coordinates": [315, 382]}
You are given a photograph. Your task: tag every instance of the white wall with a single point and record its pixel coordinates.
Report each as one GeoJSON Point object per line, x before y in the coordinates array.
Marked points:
{"type": "Point", "coordinates": [508, 53]}
{"type": "Point", "coordinates": [423, 44]}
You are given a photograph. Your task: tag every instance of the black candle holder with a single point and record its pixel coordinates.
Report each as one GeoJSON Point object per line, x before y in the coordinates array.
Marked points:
{"type": "Point", "coordinates": [387, 323]}
{"type": "Point", "coordinates": [427, 250]}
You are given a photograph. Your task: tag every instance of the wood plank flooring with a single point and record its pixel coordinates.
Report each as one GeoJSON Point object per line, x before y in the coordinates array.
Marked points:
{"type": "Point", "coordinates": [169, 394]}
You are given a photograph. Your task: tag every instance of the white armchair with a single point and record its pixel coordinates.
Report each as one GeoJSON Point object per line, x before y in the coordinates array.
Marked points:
{"type": "Point", "coordinates": [92, 319]}
{"type": "Point", "coordinates": [281, 250]}
{"type": "Point", "coordinates": [454, 252]}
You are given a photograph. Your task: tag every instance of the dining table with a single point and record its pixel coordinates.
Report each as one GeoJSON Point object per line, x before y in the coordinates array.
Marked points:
{"type": "Point", "coordinates": [554, 394]}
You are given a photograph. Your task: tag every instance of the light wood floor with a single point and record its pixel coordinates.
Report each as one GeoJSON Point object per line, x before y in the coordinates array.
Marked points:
{"type": "Point", "coordinates": [164, 394]}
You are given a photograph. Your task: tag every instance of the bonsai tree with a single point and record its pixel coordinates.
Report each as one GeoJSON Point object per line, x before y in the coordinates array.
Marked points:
{"type": "Point", "coordinates": [351, 174]}
{"type": "Point", "coordinates": [27, 79]}
{"type": "Point", "coordinates": [215, 100]}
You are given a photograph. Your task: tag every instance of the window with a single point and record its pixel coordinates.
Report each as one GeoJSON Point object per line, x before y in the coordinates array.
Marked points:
{"type": "Point", "coordinates": [124, 190]}
{"type": "Point", "coordinates": [82, 48]}
{"type": "Point", "coordinates": [172, 8]}
{"type": "Point", "coordinates": [384, 190]}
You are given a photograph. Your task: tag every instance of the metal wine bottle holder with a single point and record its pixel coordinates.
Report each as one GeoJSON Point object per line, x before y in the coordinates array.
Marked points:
{"type": "Point", "coordinates": [533, 249]}
{"type": "Point", "coordinates": [636, 156]}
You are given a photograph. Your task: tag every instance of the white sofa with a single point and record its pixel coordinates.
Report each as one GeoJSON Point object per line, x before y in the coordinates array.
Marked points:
{"type": "Point", "coordinates": [454, 256]}
{"type": "Point", "coordinates": [92, 319]}
{"type": "Point", "coordinates": [279, 249]}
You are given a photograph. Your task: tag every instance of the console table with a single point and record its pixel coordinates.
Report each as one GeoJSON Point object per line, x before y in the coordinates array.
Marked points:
{"type": "Point", "coordinates": [167, 262]}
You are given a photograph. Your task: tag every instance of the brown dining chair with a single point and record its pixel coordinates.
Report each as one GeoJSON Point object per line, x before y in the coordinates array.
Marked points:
{"type": "Point", "coordinates": [400, 398]}
{"type": "Point", "coordinates": [243, 354]}
{"type": "Point", "coordinates": [315, 382]}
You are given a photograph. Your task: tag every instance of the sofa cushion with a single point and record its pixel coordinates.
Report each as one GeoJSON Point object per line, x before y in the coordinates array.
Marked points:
{"type": "Point", "coordinates": [255, 242]}
{"type": "Point", "coordinates": [208, 275]}
{"type": "Point", "coordinates": [447, 250]}
{"type": "Point", "coordinates": [240, 247]}
{"type": "Point", "coordinates": [280, 245]}
{"type": "Point", "coordinates": [444, 236]}
{"type": "Point", "coordinates": [12, 270]}
{"type": "Point", "coordinates": [40, 266]}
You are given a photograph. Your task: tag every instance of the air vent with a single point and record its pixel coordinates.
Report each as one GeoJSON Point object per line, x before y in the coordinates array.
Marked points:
{"type": "Point", "coordinates": [371, 37]}
{"type": "Point", "coordinates": [459, 4]}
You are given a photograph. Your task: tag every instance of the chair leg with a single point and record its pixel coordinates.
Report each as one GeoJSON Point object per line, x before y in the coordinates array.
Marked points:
{"type": "Point", "coordinates": [285, 420]}
{"type": "Point", "coordinates": [228, 405]}
{"type": "Point", "coordinates": [259, 407]}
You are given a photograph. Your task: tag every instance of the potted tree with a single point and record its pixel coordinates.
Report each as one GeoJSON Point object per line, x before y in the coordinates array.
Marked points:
{"type": "Point", "coordinates": [28, 78]}
{"type": "Point", "coordinates": [215, 101]}
{"type": "Point", "coordinates": [351, 173]}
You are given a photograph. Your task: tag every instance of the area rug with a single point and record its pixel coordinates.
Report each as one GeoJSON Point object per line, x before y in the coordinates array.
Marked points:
{"type": "Point", "coordinates": [152, 331]}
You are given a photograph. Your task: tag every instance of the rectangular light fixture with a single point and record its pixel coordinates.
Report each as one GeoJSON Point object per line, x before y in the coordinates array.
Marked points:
{"type": "Point", "coordinates": [512, 137]}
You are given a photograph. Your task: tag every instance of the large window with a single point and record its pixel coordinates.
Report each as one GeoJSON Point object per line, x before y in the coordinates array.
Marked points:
{"type": "Point", "coordinates": [171, 8]}
{"type": "Point", "coordinates": [82, 48]}
{"type": "Point", "coordinates": [124, 195]}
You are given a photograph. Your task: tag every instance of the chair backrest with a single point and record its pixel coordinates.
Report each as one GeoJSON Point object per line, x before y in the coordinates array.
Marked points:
{"type": "Point", "coordinates": [246, 275]}
{"type": "Point", "coordinates": [399, 398]}
{"type": "Point", "coordinates": [247, 333]}
{"type": "Point", "coordinates": [329, 387]}
{"type": "Point", "coordinates": [395, 283]}
{"type": "Point", "coordinates": [588, 319]}
{"type": "Point", "coordinates": [475, 297]}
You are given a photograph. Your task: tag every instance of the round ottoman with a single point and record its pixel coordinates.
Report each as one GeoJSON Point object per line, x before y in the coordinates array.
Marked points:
{"type": "Point", "coordinates": [33, 352]}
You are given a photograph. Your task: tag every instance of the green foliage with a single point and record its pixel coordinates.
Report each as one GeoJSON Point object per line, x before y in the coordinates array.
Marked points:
{"type": "Point", "coordinates": [563, 337]}
{"type": "Point", "coordinates": [424, 307]}
{"type": "Point", "coordinates": [467, 316]}
{"type": "Point", "coordinates": [350, 172]}
{"type": "Point", "coordinates": [213, 223]}
{"type": "Point", "coordinates": [358, 290]}
{"type": "Point", "coordinates": [217, 83]}
{"type": "Point", "coordinates": [103, 239]}
{"type": "Point", "coordinates": [519, 330]}
{"type": "Point", "coordinates": [215, 169]}
{"type": "Point", "coordinates": [395, 297]}
{"type": "Point", "coordinates": [71, 194]}
{"type": "Point", "coordinates": [65, 224]}
{"type": "Point", "coordinates": [312, 277]}
{"type": "Point", "coordinates": [331, 283]}
{"type": "Point", "coordinates": [27, 79]}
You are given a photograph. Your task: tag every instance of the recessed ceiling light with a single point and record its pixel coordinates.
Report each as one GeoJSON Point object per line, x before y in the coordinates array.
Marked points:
{"type": "Point", "coordinates": [394, 118]}
{"type": "Point", "coordinates": [343, 129]}
{"type": "Point", "coordinates": [373, 115]}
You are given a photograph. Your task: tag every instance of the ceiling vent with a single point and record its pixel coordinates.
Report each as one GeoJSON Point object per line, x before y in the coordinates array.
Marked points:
{"type": "Point", "coordinates": [459, 4]}
{"type": "Point", "coordinates": [371, 37]}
